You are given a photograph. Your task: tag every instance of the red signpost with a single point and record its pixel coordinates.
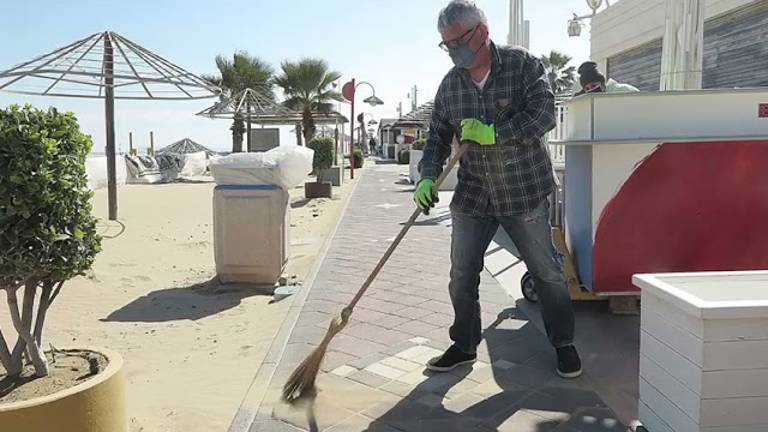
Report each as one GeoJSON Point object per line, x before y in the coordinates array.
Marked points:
{"type": "Point", "coordinates": [348, 91]}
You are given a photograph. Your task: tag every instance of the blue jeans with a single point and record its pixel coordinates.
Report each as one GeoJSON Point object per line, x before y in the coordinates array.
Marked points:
{"type": "Point", "coordinates": [532, 234]}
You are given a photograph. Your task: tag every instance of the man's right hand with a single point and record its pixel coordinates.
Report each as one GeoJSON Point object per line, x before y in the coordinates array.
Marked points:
{"type": "Point", "coordinates": [425, 195]}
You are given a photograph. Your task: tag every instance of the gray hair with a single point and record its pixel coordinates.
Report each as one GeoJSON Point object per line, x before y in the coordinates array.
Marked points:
{"type": "Point", "coordinates": [464, 12]}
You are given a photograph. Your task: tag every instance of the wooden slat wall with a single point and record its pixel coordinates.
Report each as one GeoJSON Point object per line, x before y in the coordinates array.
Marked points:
{"type": "Point", "coordinates": [736, 48]}
{"type": "Point", "coordinates": [640, 66]}
{"type": "Point", "coordinates": [735, 53]}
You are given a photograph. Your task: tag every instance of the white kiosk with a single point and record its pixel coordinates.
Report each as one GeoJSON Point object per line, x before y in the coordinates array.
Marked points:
{"type": "Point", "coordinates": [663, 182]}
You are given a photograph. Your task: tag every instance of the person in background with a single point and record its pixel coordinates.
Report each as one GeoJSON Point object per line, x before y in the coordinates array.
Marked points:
{"type": "Point", "coordinates": [593, 81]}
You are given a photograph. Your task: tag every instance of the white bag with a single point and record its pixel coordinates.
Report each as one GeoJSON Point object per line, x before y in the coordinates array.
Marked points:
{"type": "Point", "coordinates": [195, 164]}
{"type": "Point", "coordinates": [285, 166]}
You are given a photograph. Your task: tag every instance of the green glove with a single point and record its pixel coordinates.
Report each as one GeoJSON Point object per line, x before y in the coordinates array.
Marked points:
{"type": "Point", "coordinates": [425, 196]}
{"type": "Point", "coordinates": [477, 131]}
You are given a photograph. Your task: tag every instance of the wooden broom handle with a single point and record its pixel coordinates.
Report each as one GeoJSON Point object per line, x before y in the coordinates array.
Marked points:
{"type": "Point", "coordinates": [408, 224]}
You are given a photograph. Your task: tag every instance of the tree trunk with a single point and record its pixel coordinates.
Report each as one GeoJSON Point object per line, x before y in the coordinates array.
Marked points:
{"type": "Point", "coordinates": [5, 353]}
{"type": "Point", "coordinates": [42, 310]}
{"type": "Point", "coordinates": [23, 324]}
{"type": "Point", "coordinates": [308, 124]}
{"type": "Point", "coordinates": [237, 135]}
{"type": "Point", "coordinates": [299, 134]}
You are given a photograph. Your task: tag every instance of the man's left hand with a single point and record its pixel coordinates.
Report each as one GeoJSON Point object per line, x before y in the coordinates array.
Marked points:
{"type": "Point", "coordinates": [477, 131]}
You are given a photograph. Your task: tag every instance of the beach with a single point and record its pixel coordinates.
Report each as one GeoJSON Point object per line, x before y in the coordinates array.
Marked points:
{"type": "Point", "coordinates": [191, 346]}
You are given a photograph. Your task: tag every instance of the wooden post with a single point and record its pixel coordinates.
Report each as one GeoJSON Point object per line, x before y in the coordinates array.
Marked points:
{"type": "Point", "coordinates": [130, 143]}
{"type": "Point", "coordinates": [109, 110]}
{"type": "Point", "coordinates": [151, 143]}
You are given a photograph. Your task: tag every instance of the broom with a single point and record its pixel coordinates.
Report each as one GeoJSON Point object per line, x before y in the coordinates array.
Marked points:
{"type": "Point", "coordinates": [301, 383]}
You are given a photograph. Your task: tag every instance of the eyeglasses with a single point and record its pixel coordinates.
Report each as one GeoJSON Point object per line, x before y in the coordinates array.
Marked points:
{"type": "Point", "coordinates": [593, 87]}
{"type": "Point", "coordinates": [446, 45]}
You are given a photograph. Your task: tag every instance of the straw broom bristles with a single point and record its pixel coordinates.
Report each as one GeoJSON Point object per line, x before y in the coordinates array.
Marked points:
{"type": "Point", "coordinates": [301, 383]}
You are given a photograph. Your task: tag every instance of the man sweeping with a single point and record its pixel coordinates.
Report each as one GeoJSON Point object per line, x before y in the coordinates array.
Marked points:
{"type": "Point", "coordinates": [499, 99]}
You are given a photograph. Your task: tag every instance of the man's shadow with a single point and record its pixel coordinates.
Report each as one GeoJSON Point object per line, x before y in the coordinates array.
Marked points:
{"type": "Point", "coordinates": [510, 387]}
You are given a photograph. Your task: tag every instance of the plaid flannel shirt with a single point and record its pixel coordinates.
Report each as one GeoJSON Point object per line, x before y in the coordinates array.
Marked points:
{"type": "Point", "coordinates": [513, 176]}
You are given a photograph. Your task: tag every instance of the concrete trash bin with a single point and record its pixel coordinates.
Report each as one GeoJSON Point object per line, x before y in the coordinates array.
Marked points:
{"type": "Point", "coordinates": [250, 233]}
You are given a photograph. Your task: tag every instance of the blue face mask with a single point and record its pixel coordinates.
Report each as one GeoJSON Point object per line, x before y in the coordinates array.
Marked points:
{"type": "Point", "coordinates": [462, 56]}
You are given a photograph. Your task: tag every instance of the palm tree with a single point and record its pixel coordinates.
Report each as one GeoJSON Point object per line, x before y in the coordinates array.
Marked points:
{"type": "Point", "coordinates": [306, 85]}
{"type": "Point", "coordinates": [241, 72]}
{"type": "Point", "coordinates": [561, 76]}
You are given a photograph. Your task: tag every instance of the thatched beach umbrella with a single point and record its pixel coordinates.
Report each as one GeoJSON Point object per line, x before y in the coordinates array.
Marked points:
{"type": "Point", "coordinates": [105, 66]}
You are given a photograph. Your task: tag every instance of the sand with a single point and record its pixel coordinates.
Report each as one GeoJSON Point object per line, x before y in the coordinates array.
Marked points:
{"type": "Point", "coordinates": [191, 347]}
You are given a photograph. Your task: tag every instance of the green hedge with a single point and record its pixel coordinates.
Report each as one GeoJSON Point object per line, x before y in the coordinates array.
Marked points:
{"type": "Point", "coordinates": [404, 157]}
{"type": "Point", "coordinates": [419, 144]}
{"type": "Point", "coordinates": [323, 148]}
{"type": "Point", "coordinates": [359, 159]}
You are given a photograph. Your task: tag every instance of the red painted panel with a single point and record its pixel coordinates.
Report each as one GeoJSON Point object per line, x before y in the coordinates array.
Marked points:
{"type": "Point", "coordinates": [687, 207]}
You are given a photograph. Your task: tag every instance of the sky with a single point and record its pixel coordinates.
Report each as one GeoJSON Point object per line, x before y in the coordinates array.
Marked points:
{"type": "Point", "coordinates": [390, 43]}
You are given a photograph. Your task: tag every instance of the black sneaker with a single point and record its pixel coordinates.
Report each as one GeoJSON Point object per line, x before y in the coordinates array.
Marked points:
{"type": "Point", "coordinates": [453, 358]}
{"type": "Point", "coordinates": [568, 362]}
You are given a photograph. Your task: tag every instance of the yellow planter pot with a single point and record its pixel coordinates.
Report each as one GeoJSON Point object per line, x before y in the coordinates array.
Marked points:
{"type": "Point", "coordinates": [97, 405]}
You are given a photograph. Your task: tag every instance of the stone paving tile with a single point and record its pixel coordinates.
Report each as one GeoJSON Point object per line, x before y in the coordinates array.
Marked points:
{"type": "Point", "coordinates": [334, 359]}
{"type": "Point", "coordinates": [416, 328]}
{"type": "Point", "coordinates": [364, 330]}
{"type": "Point", "coordinates": [390, 337]}
{"type": "Point", "coordinates": [326, 414]}
{"type": "Point", "coordinates": [356, 346]}
{"type": "Point", "coordinates": [592, 420]}
{"type": "Point", "coordinates": [399, 388]}
{"type": "Point", "coordinates": [389, 321]}
{"type": "Point", "coordinates": [369, 378]}
{"type": "Point", "coordinates": [403, 365]}
{"type": "Point", "coordinates": [344, 371]}
{"type": "Point", "coordinates": [368, 360]}
{"type": "Point", "coordinates": [524, 421]}
{"type": "Point", "coordinates": [361, 423]}
{"type": "Point", "coordinates": [307, 334]}
{"type": "Point", "coordinates": [385, 371]}
{"type": "Point", "coordinates": [413, 313]}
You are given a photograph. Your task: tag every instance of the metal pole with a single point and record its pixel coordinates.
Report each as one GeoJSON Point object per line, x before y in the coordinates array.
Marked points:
{"type": "Point", "coordinates": [352, 135]}
{"type": "Point", "coordinates": [109, 110]}
{"type": "Point", "coordinates": [248, 126]}
{"type": "Point", "coordinates": [130, 143]}
{"type": "Point", "coordinates": [151, 143]}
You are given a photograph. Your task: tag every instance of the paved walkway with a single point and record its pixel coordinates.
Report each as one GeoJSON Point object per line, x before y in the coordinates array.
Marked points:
{"type": "Point", "coordinates": [373, 377]}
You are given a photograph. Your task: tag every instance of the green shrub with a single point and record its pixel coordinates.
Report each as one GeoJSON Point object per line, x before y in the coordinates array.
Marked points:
{"type": "Point", "coordinates": [390, 151]}
{"type": "Point", "coordinates": [359, 159]}
{"type": "Point", "coordinates": [323, 148]}
{"type": "Point", "coordinates": [47, 232]}
{"type": "Point", "coordinates": [419, 144]}
{"type": "Point", "coordinates": [404, 157]}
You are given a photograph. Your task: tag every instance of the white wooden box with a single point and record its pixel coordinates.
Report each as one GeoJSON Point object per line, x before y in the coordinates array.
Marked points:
{"type": "Point", "coordinates": [704, 352]}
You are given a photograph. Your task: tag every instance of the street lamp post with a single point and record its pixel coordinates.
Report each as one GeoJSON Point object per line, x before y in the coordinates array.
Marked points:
{"type": "Point", "coordinates": [348, 91]}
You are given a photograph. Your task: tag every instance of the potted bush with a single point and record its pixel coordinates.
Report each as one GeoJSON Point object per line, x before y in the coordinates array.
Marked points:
{"type": "Point", "coordinates": [403, 157]}
{"type": "Point", "coordinates": [417, 150]}
{"type": "Point", "coordinates": [47, 237]}
{"type": "Point", "coordinates": [322, 160]}
{"type": "Point", "coordinates": [324, 157]}
{"type": "Point", "coordinates": [359, 159]}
